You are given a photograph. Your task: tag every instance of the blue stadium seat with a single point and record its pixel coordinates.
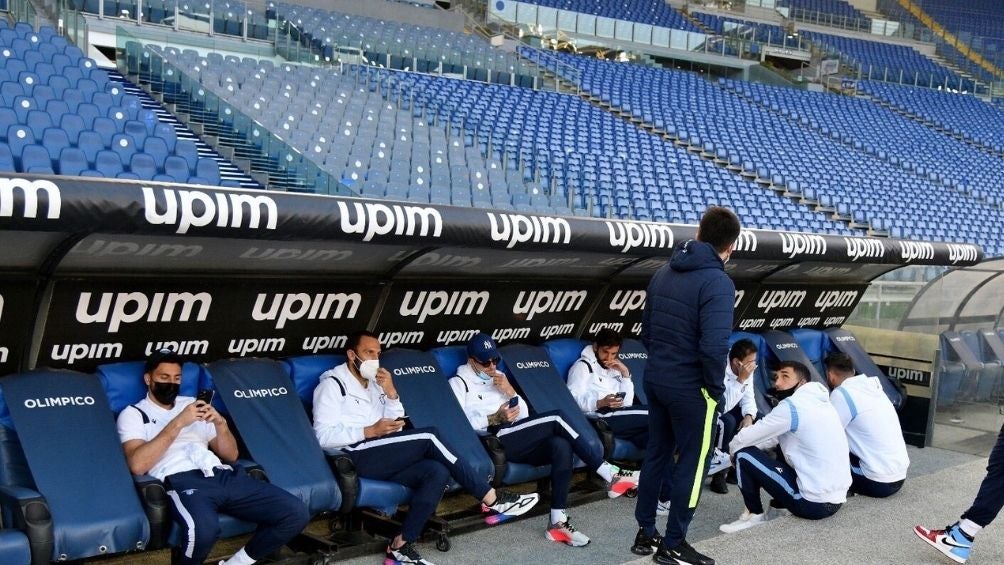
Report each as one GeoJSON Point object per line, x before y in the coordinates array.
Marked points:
{"type": "Point", "coordinates": [143, 166]}
{"type": "Point", "coordinates": [35, 159]}
{"type": "Point", "coordinates": [72, 162]}
{"type": "Point", "coordinates": [108, 163]}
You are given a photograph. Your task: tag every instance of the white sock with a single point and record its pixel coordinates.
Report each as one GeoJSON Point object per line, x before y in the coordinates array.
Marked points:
{"type": "Point", "coordinates": [558, 516]}
{"type": "Point", "coordinates": [239, 558]}
{"type": "Point", "coordinates": [606, 471]}
{"type": "Point", "coordinates": [969, 527]}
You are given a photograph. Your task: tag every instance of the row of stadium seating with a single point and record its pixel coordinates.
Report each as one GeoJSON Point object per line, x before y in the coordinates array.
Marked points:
{"type": "Point", "coordinates": [838, 8]}
{"type": "Point", "coordinates": [978, 24]}
{"type": "Point", "coordinates": [971, 367]}
{"type": "Point", "coordinates": [62, 114]}
{"type": "Point", "coordinates": [754, 31]}
{"type": "Point", "coordinates": [872, 190]}
{"type": "Point", "coordinates": [287, 453]}
{"type": "Point", "coordinates": [959, 115]}
{"type": "Point", "coordinates": [652, 12]}
{"type": "Point", "coordinates": [402, 46]}
{"type": "Point", "coordinates": [887, 61]}
{"type": "Point", "coordinates": [865, 125]}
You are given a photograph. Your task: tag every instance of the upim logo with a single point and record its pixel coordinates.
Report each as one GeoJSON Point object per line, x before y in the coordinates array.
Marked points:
{"type": "Point", "coordinates": [747, 241]}
{"type": "Point", "coordinates": [1, 307]}
{"type": "Point", "coordinates": [802, 244]}
{"type": "Point", "coordinates": [424, 304]}
{"type": "Point", "coordinates": [29, 191]}
{"type": "Point", "coordinates": [628, 235]}
{"type": "Point", "coordinates": [516, 228]}
{"type": "Point", "coordinates": [958, 252]}
{"type": "Point", "coordinates": [541, 302]}
{"type": "Point", "coordinates": [836, 299]}
{"type": "Point", "coordinates": [627, 300]}
{"type": "Point", "coordinates": [294, 254]}
{"type": "Point", "coordinates": [194, 208]}
{"type": "Point", "coordinates": [739, 297]}
{"type": "Point", "coordinates": [781, 299]}
{"type": "Point", "coordinates": [381, 219]}
{"type": "Point", "coordinates": [100, 248]}
{"type": "Point", "coordinates": [132, 307]}
{"type": "Point", "coordinates": [864, 248]}
{"type": "Point", "coordinates": [913, 251]}
{"type": "Point", "coordinates": [290, 307]}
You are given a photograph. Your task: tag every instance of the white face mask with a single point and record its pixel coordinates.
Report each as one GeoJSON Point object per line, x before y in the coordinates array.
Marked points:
{"type": "Point", "coordinates": [368, 369]}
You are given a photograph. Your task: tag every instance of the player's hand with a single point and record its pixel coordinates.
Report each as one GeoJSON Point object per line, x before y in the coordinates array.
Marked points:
{"type": "Point", "coordinates": [382, 427]}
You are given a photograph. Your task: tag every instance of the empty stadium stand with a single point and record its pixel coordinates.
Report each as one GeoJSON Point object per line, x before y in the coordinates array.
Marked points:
{"type": "Point", "coordinates": [651, 12]}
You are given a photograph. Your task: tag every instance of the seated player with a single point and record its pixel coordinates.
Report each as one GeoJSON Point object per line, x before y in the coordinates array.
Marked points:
{"type": "Point", "coordinates": [739, 404]}
{"type": "Point", "coordinates": [813, 474]}
{"type": "Point", "coordinates": [493, 407]}
{"type": "Point", "coordinates": [878, 452]}
{"type": "Point", "coordinates": [357, 409]}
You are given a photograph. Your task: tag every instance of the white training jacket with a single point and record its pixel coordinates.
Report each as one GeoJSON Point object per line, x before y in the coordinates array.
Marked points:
{"type": "Point", "coordinates": [589, 382]}
{"type": "Point", "coordinates": [872, 427]}
{"type": "Point", "coordinates": [737, 392]}
{"type": "Point", "coordinates": [812, 440]}
{"type": "Point", "coordinates": [343, 407]}
{"type": "Point", "coordinates": [480, 398]}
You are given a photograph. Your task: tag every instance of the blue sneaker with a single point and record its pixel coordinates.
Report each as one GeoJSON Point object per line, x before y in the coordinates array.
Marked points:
{"type": "Point", "coordinates": [951, 541]}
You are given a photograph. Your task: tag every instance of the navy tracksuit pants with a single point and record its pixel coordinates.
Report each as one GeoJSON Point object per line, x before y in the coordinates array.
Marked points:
{"type": "Point", "coordinates": [728, 427]}
{"type": "Point", "coordinates": [682, 422]}
{"type": "Point", "coordinates": [197, 500]}
{"type": "Point", "coordinates": [547, 439]}
{"type": "Point", "coordinates": [756, 470]}
{"type": "Point", "coordinates": [629, 424]}
{"type": "Point", "coordinates": [421, 461]}
{"type": "Point", "coordinates": [861, 484]}
{"type": "Point", "coordinates": [990, 498]}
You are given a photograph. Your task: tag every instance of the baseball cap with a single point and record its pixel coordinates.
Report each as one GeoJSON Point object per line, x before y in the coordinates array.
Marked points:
{"type": "Point", "coordinates": [482, 348]}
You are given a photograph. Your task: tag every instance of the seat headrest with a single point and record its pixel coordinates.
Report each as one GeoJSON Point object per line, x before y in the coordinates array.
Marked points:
{"type": "Point", "coordinates": [123, 382]}
{"type": "Point", "coordinates": [305, 370]}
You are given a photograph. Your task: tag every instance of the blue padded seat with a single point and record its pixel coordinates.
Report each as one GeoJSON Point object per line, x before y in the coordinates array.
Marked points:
{"type": "Point", "coordinates": [563, 352]}
{"type": "Point", "coordinates": [275, 429]}
{"type": "Point", "coordinates": [839, 339]}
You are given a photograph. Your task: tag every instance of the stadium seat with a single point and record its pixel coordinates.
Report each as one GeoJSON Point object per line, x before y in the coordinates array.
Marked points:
{"type": "Point", "coordinates": [89, 512]}
{"type": "Point", "coordinates": [839, 339]}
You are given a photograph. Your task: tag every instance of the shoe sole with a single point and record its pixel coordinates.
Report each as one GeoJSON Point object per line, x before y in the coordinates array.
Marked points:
{"type": "Point", "coordinates": [955, 558]}
{"type": "Point", "coordinates": [566, 541]}
{"type": "Point", "coordinates": [621, 488]}
{"type": "Point", "coordinates": [495, 519]}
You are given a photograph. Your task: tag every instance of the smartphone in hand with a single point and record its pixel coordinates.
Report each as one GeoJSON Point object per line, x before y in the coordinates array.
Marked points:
{"type": "Point", "coordinates": [513, 402]}
{"type": "Point", "coordinates": [620, 395]}
{"type": "Point", "coordinates": [206, 395]}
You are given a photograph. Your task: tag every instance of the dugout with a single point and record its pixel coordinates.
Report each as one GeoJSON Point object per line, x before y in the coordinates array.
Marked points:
{"type": "Point", "coordinates": [97, 271]}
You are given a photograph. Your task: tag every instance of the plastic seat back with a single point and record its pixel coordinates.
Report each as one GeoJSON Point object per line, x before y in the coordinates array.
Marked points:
{"type": "Point", "coordinates": [63, 416]}
{"type": "Point", "coordinates": [839, 339]}
{"type": "Point", "coordinates": [563, 352]}
{"type": "Point", "coordinates": [260, 397]}
{"type": "Point", "coordinates": [634, 355]}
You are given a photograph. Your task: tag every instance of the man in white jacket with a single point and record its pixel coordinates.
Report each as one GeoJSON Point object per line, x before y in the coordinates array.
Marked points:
{"type": "Point", "coordinates": [357, 410]}
{"type": "Point", "coordinates": [812, 478]}
{"type": "Point", "coordinates": [739, 405]}
{"type": "Point", "coordinates": [492, 406]}
{"type": "Point", "coordinates": [878, 452]}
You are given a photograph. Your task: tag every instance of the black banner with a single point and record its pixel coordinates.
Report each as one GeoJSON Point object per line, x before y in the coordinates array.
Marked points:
{"type": "Point", "coordinates": [17, 300]}
{"type": "Point", "coordinates": [94, 322]}
{"type": "Point", "coordinates": [915, 377]}
{"type": "Point", "coordinates": [771, 307]}
{"type": "Point", "coordinates": [429, 315]}
{"type": "Point", "coordinates": [76, 205]}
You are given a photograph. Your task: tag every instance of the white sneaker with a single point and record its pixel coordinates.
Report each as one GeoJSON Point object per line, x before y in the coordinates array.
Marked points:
{"type": "Point", "coordinates": [662, 509]}
{"type": "Point", "coordinates": [720, 461]}
{"type": "Point", "coordinates": [746, 520]}
{"type": "Point", "coordinates": [565, 532]}
{"type": "Point", "coordinates": [624, 481]}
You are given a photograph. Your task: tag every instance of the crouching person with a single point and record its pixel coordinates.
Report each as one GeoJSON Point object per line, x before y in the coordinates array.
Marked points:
{"type": "Point", "coordinates": [812, 478]}
{"type": "Point", "coordinates": [357, 409]}
{"type": "Point", "coordinates": [187, 444]}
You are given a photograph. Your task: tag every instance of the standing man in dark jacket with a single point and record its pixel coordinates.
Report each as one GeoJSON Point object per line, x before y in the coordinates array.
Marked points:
{"type": "Point", "coordinates": [686, 327]}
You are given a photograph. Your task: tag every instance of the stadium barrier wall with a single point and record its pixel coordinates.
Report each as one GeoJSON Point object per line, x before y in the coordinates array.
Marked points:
{"type": "Point", "coordinates": [98, 270]}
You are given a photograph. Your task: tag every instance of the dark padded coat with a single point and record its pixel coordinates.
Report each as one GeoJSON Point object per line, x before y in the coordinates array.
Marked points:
{"type": "Point", "coordinates": [688, 319]}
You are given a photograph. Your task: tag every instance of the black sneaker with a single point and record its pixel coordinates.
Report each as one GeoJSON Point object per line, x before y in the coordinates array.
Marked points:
{"type": "Point", "coordinates": [404, 555]}
{"type": "Point", "coordinates": [646, 545]}
{"type": "Point", "coordinates": [718, 484]}
{"type": "Point", "coordinates": [731, 477]}
{"type": "Point", "coordinates": [682, 554]}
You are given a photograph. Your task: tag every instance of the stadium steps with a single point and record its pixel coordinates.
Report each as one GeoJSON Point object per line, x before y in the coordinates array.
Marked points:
{"type": "Point", "coordinates": [228, 170]}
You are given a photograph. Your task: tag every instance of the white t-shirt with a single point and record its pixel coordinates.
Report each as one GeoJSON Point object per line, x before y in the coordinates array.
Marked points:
{"type": "Point", "coordinates": [872, 427]}
{"type": "Point", "coordinates": [589, 382]}
{"type": "Point", "coordinates": [189, 451]}
{"type": "Point", "coordinates": [343, 407]}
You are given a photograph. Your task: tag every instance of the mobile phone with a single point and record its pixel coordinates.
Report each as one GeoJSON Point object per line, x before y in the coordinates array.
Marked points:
{"type": "Point", "coordinates": [205, 395]}
{"type": "Point", "coordinates": [513, 401]}
{"type": "Point", "coordinates": [404, 418]}
{"type": "Point", "coordinates": [621, 395]}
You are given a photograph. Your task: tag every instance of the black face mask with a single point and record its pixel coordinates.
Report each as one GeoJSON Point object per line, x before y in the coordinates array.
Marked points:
{"type": "Point", "coordinates": [782, 394]}
{"type": "Point", "coordinates": [165, 393]}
